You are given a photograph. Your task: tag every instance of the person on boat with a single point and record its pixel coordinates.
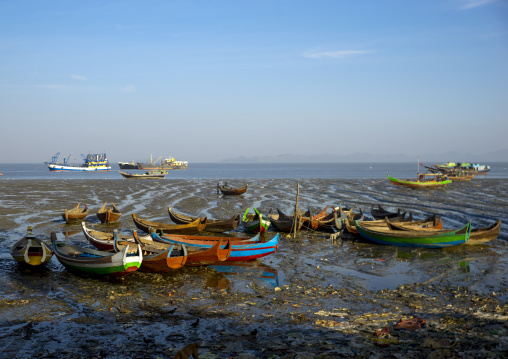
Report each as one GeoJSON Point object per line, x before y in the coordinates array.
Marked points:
{"type": "Point", "coordinates": [225, 185]}
{"type": "Point", "coordinates": [218, 187]}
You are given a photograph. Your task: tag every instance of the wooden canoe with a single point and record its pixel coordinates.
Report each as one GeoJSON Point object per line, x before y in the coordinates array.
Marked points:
{"type": "Point", "coordinates": [106, 240]}
{"type": "Point", "coordinates": [148, 174]}
{"type": "Point", "coordinates": [476, 237]}
{"type": "Point", "coordinates": [108, 214]}
{"type": "Point", "coordinates": [461, 177]}
{"type": "Point", "coordinates": [239, 252]}
{"type": "Point", "coordinates": [31, 250]}
{"type": "Point", "coordinates": [425, 184]}
{"type": "Point", "coordinates": [350, 221]}
{"type": "Point", "coordinates": [310, 221]}
{"type": "Point", "coordinates": [215, 254]}
{"type": "Point", "coordinates": [75, 214]}
{"type": "Point", "coordinates": [197, 226]}
{"type": "Point", "coordinates": [415, 238]}
{"type": "Point", "coordinates": [255, 223]}
{"type": "Point", "coordinates": [285, 223]}
{"type": "Point", "coordinates": [330, 222]}
{"type": "Point", "coordinates": [484, 234]}
{"type": "Point", "coordinates": [233, 191]}
{"type": "Point", "coordinates": [212, 225]}
{"type": "Point", "coordinates": [381, 213]}
{"type": "Point", "coordinates": [92, 261]}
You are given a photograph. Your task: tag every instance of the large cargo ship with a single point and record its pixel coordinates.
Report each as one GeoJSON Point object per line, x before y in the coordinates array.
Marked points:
{"type": "Point", "coordinates": [128, 165]}
{"type": "Point", "coordinates": [93, 162]}
{"type": "Point", "coordinates": [167, 164]}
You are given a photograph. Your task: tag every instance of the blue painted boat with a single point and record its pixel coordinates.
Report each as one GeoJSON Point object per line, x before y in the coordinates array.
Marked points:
{"type": "Point", "coordinates": [239, 252]}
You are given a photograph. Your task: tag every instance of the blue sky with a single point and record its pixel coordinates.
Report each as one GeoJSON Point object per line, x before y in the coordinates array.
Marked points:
{"type": "Point", "coordinates": [207, 80]}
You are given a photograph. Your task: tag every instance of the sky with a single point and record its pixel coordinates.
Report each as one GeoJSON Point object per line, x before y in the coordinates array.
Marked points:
{"type": "Point", "coordinates": [209, 80]}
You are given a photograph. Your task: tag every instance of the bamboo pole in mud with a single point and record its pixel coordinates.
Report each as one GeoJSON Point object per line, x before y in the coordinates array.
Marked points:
{"type": "Point", "coordinates": [296, 215]}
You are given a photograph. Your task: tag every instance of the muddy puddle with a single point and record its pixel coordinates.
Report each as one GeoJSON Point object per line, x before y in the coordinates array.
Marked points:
{"type": "Point", "coordinates": [313, 298]}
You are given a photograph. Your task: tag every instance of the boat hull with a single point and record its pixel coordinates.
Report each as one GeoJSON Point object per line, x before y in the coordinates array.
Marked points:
{"type": "Point", "coordinates": [421, 239]}
{"type": "Point", "coordinates": [53, 167]}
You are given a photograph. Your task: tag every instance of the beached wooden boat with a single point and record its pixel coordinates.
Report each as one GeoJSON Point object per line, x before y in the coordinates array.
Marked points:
{"type": "Point", "coordinates": [285, 223]}
{"type": "Point", "coordinates": [255, 223]}
{"type": "Point", "coordinates": [93, 261]}
{"type": "Point", "coordinates": [197, 226]}
{"type": "Point", "coordinates": [157, 253]}
{"type": "Point", "coordinates": [233, 191]}
{"type": "Point", "coordinates": [415, 238]}
{"type": "Point", "coordinates": [31, 250]}
{"type": "Point", "coordinates": [422, 182]}
{"type": "Point", "coordinates": [331, 221]}
{"type": "Point", "coordinates": [108, 214]}
{"type": "Point", "coordinates": [147, 174]}
{"type": "Point", "coordinates": [212, 225]}
{"type": "Point", "coordinates": [476, 237]}
{"type": "Point", "coordinates": [310, 221]}
{"type": "Point", "coordinates": [106, 240]}
{"type": "Point", "coordinates": [484, 234]}
{"type": "Point", "coordinates": [75, 214]}
{"type": "Point", "coordinates": [160, 258]}
{"type": "Point", "coordinates": [381, 213]}
{"type": "Point", "coordinates": [350, 221]}
{"type": "Point", "coordinates": [239, 251]}
{"type": "Point", "coordinates": [460, 177]}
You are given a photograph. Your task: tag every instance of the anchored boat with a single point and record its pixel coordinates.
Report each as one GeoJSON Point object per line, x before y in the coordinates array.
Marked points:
{"type": "Point", "coordinates": [93, 162]}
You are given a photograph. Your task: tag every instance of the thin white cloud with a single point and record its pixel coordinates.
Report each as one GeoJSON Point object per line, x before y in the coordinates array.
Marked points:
{"type": "Point", "coordinates": [471, 4]}
{"type": "Point", "coordinates": [53, 87]}
{"type": "Point", "coordinates": [79, 78]}
{"type": "Point", "coordinates": [128, 88]}
{"type": "Point", "coordinates": [127, 27]}
{"type": "Point", "coordinates": [316, 54]}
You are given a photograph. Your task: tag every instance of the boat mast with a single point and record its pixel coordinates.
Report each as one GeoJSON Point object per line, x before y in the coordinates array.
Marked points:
{"type": "Point", "coordinates": [418, 172]}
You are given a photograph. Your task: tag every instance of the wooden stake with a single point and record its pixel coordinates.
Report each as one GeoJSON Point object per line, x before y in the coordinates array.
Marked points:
{"type": "Point", "coordinates": [296, 216]}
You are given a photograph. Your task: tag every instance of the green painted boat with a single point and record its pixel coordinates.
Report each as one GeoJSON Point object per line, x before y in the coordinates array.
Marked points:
{"type": "Point", "coordinates": [97, 262]}
{"type": "Point", "coordinates": [255, 223]}
{"type": "Point", "coordinates": [422, 182]}
{"type": "Point", "coordinates": [415, 238]}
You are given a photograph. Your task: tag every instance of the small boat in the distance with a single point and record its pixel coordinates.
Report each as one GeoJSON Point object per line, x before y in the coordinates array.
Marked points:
{"type": "Point", "coordinates": [147, 174]}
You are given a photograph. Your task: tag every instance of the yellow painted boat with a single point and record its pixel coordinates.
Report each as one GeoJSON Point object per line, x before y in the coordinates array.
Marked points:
{"type": "Point", "coordinates": [31, 250]}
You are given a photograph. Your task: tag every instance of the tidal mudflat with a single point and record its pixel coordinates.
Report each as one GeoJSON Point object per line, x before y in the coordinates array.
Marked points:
{"type": "Point", "coordinates": [313, 298]}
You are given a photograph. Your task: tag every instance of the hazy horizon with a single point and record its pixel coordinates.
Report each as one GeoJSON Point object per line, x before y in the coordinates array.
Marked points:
{"type": "Point", "coordinates": [209, 81]}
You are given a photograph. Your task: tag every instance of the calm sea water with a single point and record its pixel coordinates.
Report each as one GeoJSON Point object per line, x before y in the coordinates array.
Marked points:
{"type": "Point", "coordinates": [228, 171]}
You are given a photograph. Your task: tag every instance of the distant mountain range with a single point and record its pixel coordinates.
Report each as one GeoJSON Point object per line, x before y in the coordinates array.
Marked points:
{"type": "Point", "coordinates": [496, 156]}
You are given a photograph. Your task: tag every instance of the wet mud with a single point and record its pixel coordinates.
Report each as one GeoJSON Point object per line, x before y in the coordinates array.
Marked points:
{"type": "Point", "coordinates": [313, 298]}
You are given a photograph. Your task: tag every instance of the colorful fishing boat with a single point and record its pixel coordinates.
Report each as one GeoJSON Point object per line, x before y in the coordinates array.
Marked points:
{"type": "Point", "coordinates": [93, 162]}
{"type": "Point", "coordinates": [108, 214]}
{"type": "Point", "coordinates": [424, 181]}
{"type": "Point", "coordinates": [255, 223]}
{"type": "Point", "coordinates": [415, 238]}
{"type": "Point", "coordinates": [97, 262]}
{"type": "Point", "coordinates": [31, 250]}
{"type": "Point", "coordinates": [239, 252]}
{"type": "Point", "coordinates": [160, 256]}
